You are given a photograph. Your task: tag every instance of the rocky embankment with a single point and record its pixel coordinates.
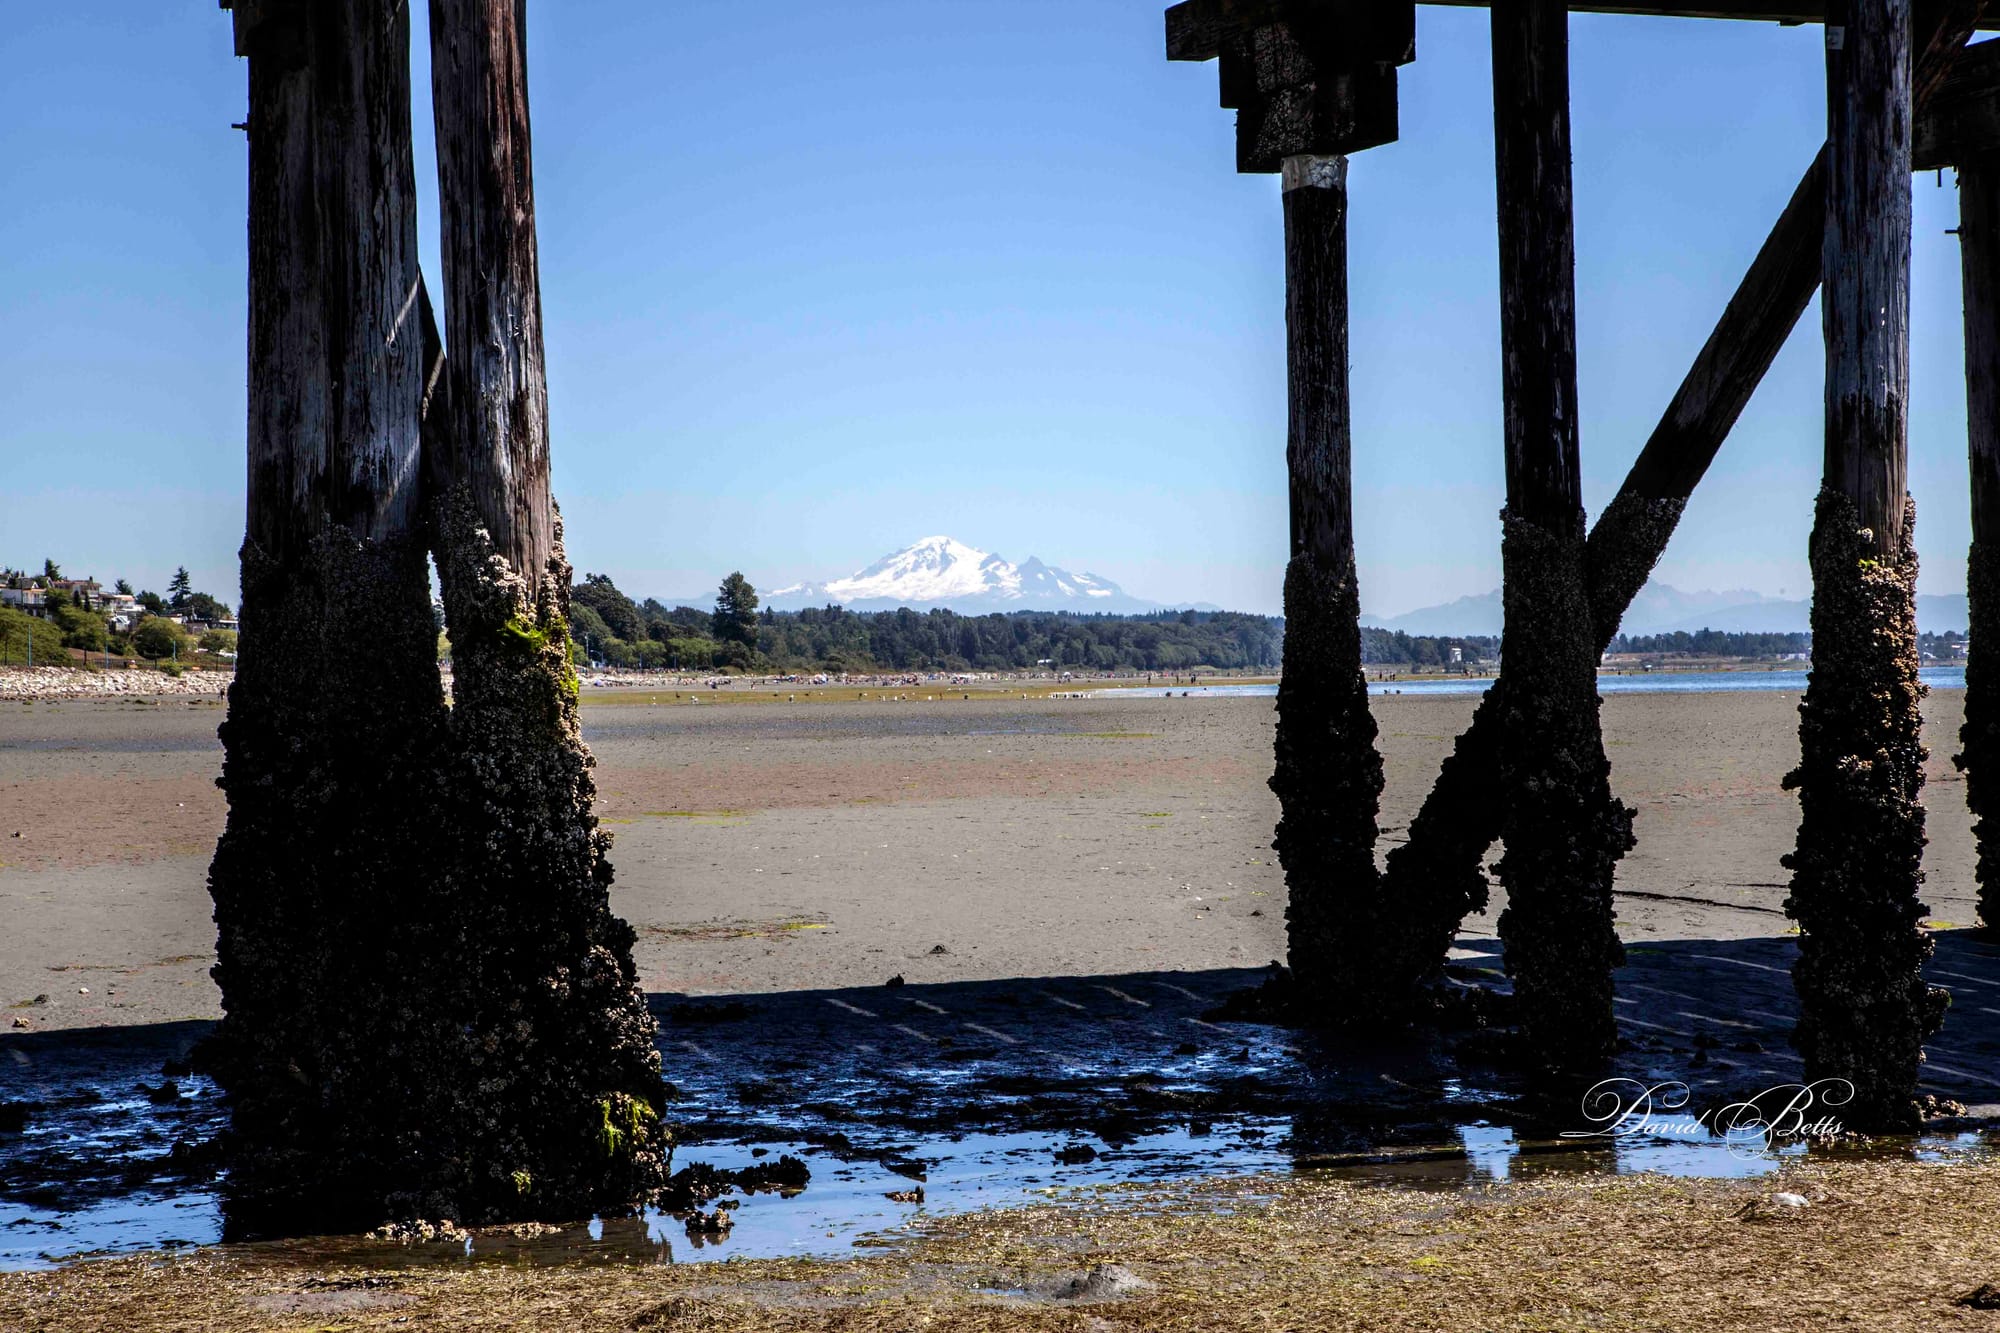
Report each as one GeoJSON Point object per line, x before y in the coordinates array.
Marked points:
{"type": "Point", "coordinates": [74, 683]}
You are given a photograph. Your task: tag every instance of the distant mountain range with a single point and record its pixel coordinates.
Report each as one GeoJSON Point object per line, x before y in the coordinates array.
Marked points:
{"type": "Point", "coordinates": [943, 572]}
{"type": "Point", "coordinates": [1661, 609]}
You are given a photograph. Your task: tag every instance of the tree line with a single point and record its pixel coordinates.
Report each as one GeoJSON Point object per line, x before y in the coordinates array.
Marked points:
{"type": "Point", "coordinates": [608, 626]}
{"type": "Point", "coordinates": [1712, 643]}
{"type": "Point", "coordinates": [1383, 647]}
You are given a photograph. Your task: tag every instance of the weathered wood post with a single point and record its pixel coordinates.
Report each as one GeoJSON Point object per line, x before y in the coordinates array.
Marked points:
{"type": "Point", "coordinates": [558, 1041]}
{"type": "Point", "coordinates": [1435, 878]}
{"type": "Point", "coordinates": [1312, 83]}
{"type": "Point", "coordinates": [1328, 775]}
{"type": "Point", "coordinates": [1979, 254]}
{"type": "Point", "coordinates": [1962, 128]}
{"type": "Point", "coordinates": [1864, 1008]}
{"type": "Point", "coordinates": [321, 878]}
{"type": "Point", "coordinates": [1563, 829]}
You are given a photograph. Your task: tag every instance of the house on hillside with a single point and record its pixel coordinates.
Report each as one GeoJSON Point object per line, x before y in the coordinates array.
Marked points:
{"type": "Point", "coordinates": [31, 600]}
{"type": "Point", "coordinates": [86, 593]}
{"type": "Point", "coordinates": [122, 608]}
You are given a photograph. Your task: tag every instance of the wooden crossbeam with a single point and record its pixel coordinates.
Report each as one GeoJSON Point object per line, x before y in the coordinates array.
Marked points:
{"type": "Point", "coordinates": [1962, 121]}
{"type": "Point", "coordinates": [270, 25]}
{"type": "Point", "coordinates": [1365, 29]}
{"type": "Point", "coordinates": [1196, 29]}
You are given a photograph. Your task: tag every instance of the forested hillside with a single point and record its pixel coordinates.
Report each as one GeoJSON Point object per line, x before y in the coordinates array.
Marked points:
{"type": "Point", "coordinates": [608, 626]}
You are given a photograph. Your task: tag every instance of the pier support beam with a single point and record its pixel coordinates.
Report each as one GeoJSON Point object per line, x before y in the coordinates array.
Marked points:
{"type": "Point", "coordinates": [557, 1038]}
{"type": "Point", "coordinates": [1312, 83]}
{"type": "Point", "coordinates": [1329, 775]}
{"type": "Point", "coordinates": [1435, 879]}
{"type": "Point", "coordinates": [1864, 1008]}
{"type": "Point", "coordinates": [1979, 252]}
{"type": "Point", "coordinates": [1563, 830]}
{"type": "Point", "coordinates": [321, 879]}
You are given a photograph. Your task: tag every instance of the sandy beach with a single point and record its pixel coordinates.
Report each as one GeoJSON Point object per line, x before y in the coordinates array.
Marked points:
{"type": "Point", "coordinates": [776, 846]}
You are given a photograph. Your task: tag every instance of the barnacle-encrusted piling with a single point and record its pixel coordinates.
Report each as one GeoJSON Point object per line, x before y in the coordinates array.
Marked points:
{"type": "Point", "coordinates": [1865, 1011]}
{"type": "Point", "coordinates": [326, 921]}
{"type": "Point", "coordinates": [1564, 832]}
{"type": "Point", "coordinates": [1979, 757]}
{"type": "Point", "coordinates": [322, 881]}
{"type": "Point", "coordinates": [1563, 829]}
{"type": "Point", "coordinates": [429, 1009]}
{"type": "Point", "coordinates": [1328, 780]}
{"type": "Point", "coordinates": [556, 1080]}
{"type": "Point", "coordinates": [560, 1082]}
{"type": "Point", "coordinates": [1434, 878]}
{"type": "Point", "coordinates": [1328, 776]}
{"type": "Point", "coordinates": [1979, 737]}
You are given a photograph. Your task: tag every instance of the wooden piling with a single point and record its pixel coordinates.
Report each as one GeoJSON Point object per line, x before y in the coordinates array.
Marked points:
{"type": "Point", "coordinates": [320, 879]}
{"type": "Point", "coordinates": [1563, 830]}
{"type": "Point", "coordinates": [1328, 776]}
{"type": "Point", "coordinates": [1436, 876]}
{"type": "Point", "coordinates": [558, 1038]}
{"type": "Point", "coordinates": [1864, 1008]}
{"type": "Point", "coordinates": [1979, 760]}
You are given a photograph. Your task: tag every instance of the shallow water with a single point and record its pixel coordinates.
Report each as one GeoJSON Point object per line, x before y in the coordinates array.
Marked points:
{"type": "Point", "coordinates": [977, 1088]}
{"type": "Point", "coordinates": [1658, 682]}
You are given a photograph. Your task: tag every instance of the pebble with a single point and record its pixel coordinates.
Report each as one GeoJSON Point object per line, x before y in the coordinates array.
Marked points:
{"type": "Point", "coordinates": [1104, 1282]}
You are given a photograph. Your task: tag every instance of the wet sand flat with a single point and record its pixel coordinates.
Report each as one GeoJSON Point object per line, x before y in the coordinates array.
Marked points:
{"type": "Point", "coordinates": [784, 847]}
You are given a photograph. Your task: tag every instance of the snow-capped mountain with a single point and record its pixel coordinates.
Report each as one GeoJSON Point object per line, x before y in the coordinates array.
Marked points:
{"type": "Point", "coordinates": [940, 571]}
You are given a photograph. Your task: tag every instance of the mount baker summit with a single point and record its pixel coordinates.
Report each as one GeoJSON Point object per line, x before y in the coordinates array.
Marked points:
{"type": "Point", "coordinates": [942, 572]}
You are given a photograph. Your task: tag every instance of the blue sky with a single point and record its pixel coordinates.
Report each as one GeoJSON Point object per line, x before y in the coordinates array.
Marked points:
{"type": "Point", "coordinates": [823, 279]}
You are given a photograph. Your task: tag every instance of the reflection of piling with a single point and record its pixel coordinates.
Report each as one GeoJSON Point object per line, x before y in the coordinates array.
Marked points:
{"type": "Point", "coordinates": [1864, 1008]}
{"type": "Point", "coordinates": [1563, 830]}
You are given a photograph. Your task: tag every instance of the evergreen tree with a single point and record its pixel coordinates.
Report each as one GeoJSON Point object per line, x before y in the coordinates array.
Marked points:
{"type": "Point", "coordinates": [179, 589]}
{"type": "Point", "coordinates": [735, 618]}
